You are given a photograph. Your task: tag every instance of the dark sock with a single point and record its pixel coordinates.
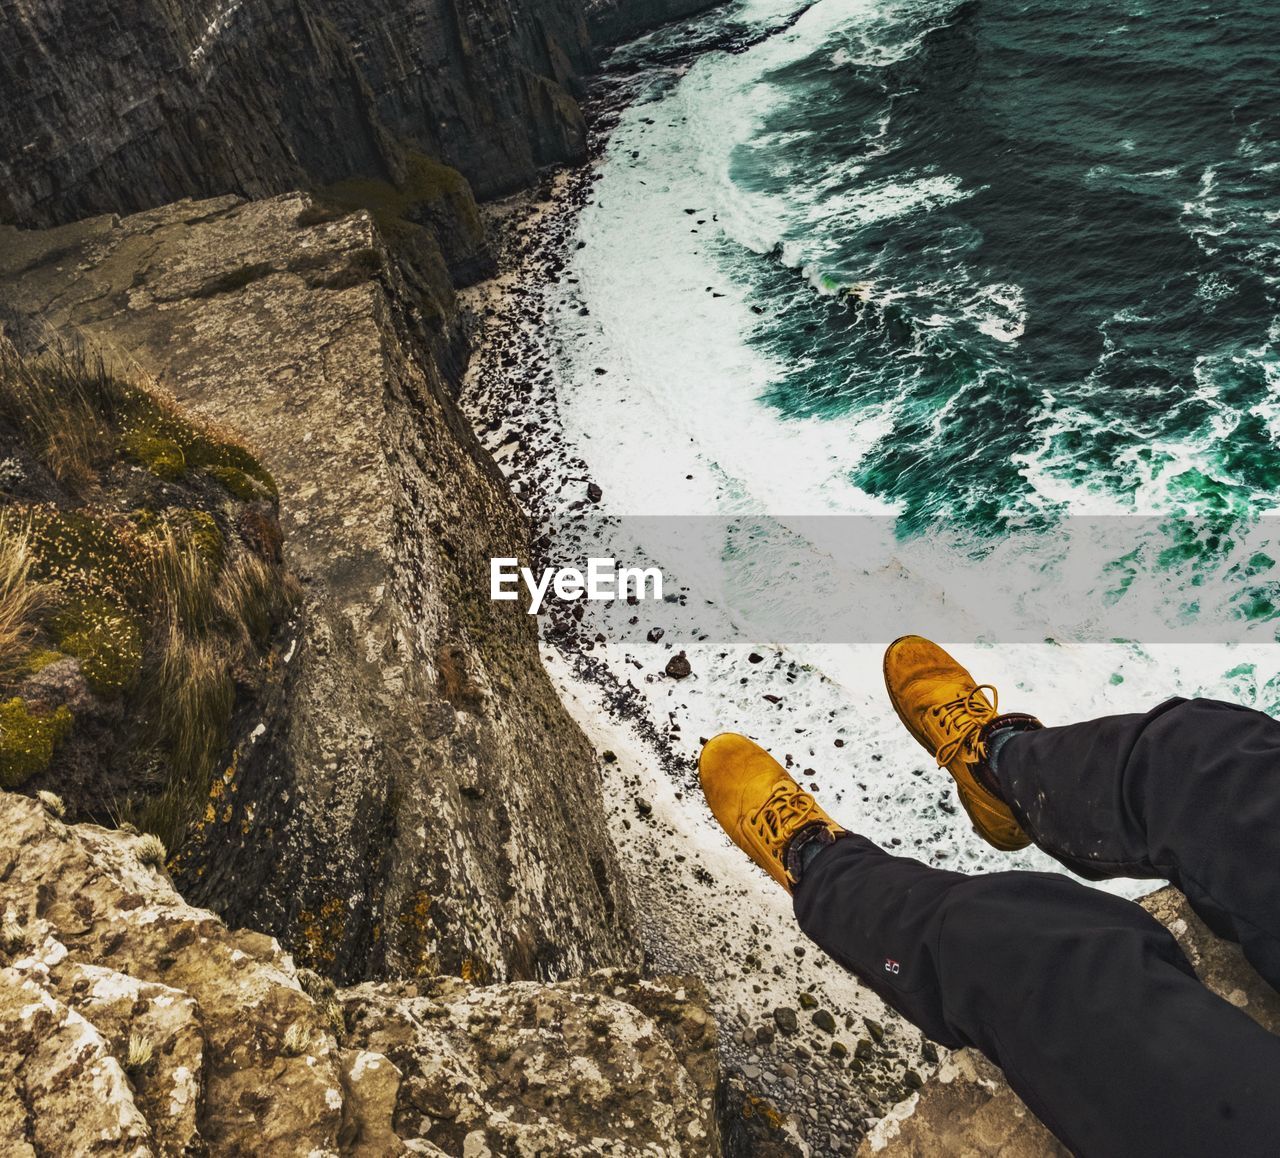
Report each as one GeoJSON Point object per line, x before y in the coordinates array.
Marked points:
{"type": "Point", "coordinates": [996, 742]}
{"type": "Point", "coordinates": [809, 853]}
{"type": "Point", "coordinates": [997, 737]}
{"type": "Point", "coordinates": [806, 846]}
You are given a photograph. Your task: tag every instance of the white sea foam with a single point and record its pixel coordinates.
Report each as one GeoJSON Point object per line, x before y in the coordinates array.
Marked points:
{"type": "Point", "coordinates": [681, 396]}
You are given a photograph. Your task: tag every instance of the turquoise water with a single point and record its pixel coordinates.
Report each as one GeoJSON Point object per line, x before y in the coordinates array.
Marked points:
{"type": "Point", "coordinates": [1082, 279]}
{"type": "Point", "coordinates": [1022, 257]}
{"type": "Point", "coordinates": [974, 269]}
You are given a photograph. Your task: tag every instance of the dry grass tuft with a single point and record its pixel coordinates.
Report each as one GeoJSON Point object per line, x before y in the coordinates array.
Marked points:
{"type": "Point", "coordinates": [194, 688]}
{"type": "Point", "coordinates": [78, 416]}
{"type": "Point", "coordinates": [181, 579]}
{"type": "Point", "coordinates": [334, 1017]}
{"type": "Point", "coordinates": [316, 986]}
{"type": "Point", "coordinates": [252, 596]}
{"type": "Point", "coordinates": [138, 1054]}
{"type": "Point", "coordinates": [151, 851]}
{"type": "Point", "coordinates": [63, 404]}
{"type": "Point", "coordinates": [21, 597]}
{"type": "Point", "coordinates": [166, 610]}
{"type": "Point", "coordinates": [54, 805]}
{"type": "Point", "coordinates": [297, 1040]}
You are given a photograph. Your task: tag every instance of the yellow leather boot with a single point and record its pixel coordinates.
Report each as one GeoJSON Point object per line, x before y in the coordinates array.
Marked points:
{"type": "Point", "coordinates": [948, 713]}
{"type": "Point", "coordinates": [757, 802]}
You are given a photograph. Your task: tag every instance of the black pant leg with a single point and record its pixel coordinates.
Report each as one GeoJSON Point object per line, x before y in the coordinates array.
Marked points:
{"type": "Point", "coordinates": [1084, 1000]}
{"type": "Point", "coordinates": [1189, 792]}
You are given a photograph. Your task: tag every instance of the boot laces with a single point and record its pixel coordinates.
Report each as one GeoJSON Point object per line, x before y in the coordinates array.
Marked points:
{"type": "Point", "coordinates": [783, 814]}
{"type": "Point", "coordinates": [963, 719]}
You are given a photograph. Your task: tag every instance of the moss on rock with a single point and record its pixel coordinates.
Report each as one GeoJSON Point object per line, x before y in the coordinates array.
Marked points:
{"type": "Point", "coordinates": [161, 456]}
{"type": "Point", "coordinates": [87, 552]}
{"type": "Point", "coordinates": [239, 483]}
{"type": "Point", "coordinates": [169, 445]}
{"type": "Point", "coordinates": [36, 660]}
{"type": "Point", "coordinates": [169, 612]}
{"type": "Point", "coordinates": [28, 740]}
{"type": "Point", "coordinates": [428, 186]}
{"type": "Point", "coordinates": [105, 637]}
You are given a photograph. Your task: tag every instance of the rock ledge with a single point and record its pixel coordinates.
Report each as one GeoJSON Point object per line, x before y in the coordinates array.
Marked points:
{"type": "Point", "coordinates": [132, 1023]}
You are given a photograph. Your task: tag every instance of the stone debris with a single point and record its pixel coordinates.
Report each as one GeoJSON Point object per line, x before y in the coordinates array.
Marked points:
{"type": "Point", "coordinates": [678, 667]}
{"type": "Point", "coordinates": [785, 1019]}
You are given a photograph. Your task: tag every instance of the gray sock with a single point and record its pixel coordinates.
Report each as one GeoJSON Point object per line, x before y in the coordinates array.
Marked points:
{"type": "Point", "coordinates": [809, 853]}
{"type": "Point", "coordinates": [996, 741]}
{"type": "Point", "coordinates": [805, 847]}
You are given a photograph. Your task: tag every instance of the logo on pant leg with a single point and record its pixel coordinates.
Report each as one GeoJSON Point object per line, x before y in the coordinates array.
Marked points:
{"type": "Point", "coordinates": [891, 966]}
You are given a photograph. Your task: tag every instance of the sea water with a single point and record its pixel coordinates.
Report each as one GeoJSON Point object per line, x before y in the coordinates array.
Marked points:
{"type": "Point", "coordinates": [973, 272]}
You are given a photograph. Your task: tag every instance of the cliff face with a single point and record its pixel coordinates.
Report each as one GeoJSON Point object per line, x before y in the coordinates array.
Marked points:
{"type": "Point", "coordinates": [113, 108]}
{"type": "Point", "coordinates": [134, 1024]}
{"type": "Point", "coordinates": [418, 801]}
{"type": "Point", "coordinates": [122, 107]}
{"type": "Point", "coordinates": [414, 798]}
{"type": "Point", "coordinates": [487, 87]}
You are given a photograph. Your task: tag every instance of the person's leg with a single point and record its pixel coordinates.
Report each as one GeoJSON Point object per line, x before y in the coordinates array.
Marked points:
{"type": "Point", "coordinates": [1084, 1000]}
{"type": "Point", "coordinates": [1189, 792]}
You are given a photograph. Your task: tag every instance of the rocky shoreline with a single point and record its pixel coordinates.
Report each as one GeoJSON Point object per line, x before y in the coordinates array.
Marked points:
{"type": "Point", "coordinates": [509, 392]}
{"type": "Point", "coordinates": [798, 1033]}
{"type": "Point", "coordinates": [798, 1036]}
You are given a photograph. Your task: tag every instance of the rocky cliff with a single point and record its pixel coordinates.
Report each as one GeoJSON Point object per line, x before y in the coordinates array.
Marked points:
{"type": "Point", "coordinates": [125, 107]}
{"type": "Point", "coordinates": [415, 801]}
{"type": "Point", "coordinates": [122, 107]}
{"type": "Point", "coordinates": [134, 1024]}
{"type": "Point", "coordinates": [489, 88]}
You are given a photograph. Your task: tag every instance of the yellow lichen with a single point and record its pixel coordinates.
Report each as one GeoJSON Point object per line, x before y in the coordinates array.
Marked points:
{"type": "Point", "coordinates": [753, 1106]}
{"type": "Point", "coordinates": [321, 933]}
{"type": "Point", "coordinates": [38, 659]}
